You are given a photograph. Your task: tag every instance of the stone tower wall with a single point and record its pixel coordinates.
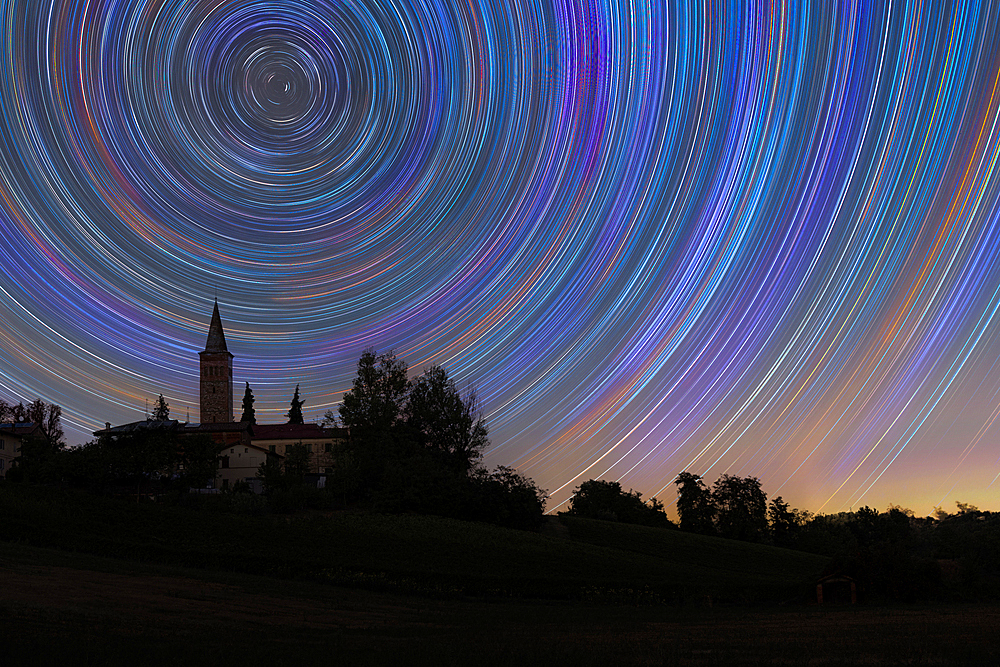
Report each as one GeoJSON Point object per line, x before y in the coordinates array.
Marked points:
{"type": "Point", "coordinates": [216, 387]}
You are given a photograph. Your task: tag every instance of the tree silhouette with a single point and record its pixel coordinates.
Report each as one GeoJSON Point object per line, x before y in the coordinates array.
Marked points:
{"type": "Point", "coordinates": [785, 521]}
{"type": "Point", "coordinates": [741, 508]}
{"type": "Point", "coordinates": [416, 446]}
{"type": "Point", "coordinates": [441, 420]}
{"type": "Point", "coordinates": [296, 461]}
{"type": "Point", "coordinates": [372, 410]}
{"type": "Point", "coordinates": [161, 410]}
{"type": "Point", "coordinates": [197, 460]}
{"type": "Point", "coordinates": [694, 504]}
{"type": "Point", "coordinates": [374, 404]}
{"type": "Point", "coordinates": [295, 413]}
{"type": "Point", "coordinates": [249, 414]}
{"type": "Point", "coordinates": [600, 499]}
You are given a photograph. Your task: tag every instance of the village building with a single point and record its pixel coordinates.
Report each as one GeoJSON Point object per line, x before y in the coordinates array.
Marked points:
{"type": "Point", "coordinates": [240, 464]}
{"type": "Point", "coordinates": [243, 446]}
{"type": "Point", "coordinates": [320, 442]}
{"type": "Point", "coordinates": [11, 437]}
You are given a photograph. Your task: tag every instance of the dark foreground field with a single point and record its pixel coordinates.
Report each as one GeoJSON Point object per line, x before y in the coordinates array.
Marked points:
{"type": "Point", "coordinates": [59, 608]}
{"type": "Point", "coordinates": [86, 580]}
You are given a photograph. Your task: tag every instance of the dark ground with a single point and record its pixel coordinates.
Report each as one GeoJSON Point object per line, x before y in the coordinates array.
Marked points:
{"type": "Point", "coordinates": [57, 607]}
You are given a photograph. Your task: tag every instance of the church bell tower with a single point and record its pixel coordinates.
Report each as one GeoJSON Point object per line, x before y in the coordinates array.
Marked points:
{"type": "Point", "coordinates": [216, 375]}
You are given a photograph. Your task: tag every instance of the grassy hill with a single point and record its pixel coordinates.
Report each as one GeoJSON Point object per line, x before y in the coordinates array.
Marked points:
{"type": "Point", "coordinates": [711, 561]}
{"type": "Point", "coordinates": [430, 556]}
{"type": "Point", "coordinates": [91, 581]}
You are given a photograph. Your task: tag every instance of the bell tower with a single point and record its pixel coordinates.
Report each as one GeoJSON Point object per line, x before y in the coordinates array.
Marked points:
{"type": "Point", "coordinates": [216, 375]}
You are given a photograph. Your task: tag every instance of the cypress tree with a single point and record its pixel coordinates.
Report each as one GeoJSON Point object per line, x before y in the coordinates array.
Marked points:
{"type": "Point", "coordinates": [249, 414]}
{"type": "Point", "coordinates": [295, 414]}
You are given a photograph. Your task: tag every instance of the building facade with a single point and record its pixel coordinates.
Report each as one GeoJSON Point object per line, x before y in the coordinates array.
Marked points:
{"type": "Point", "coordinates": [320, 443]}
{"type": "Point", "coordinates": [243, 446]}
{"type": "Point", "coordinates": [11, 436]}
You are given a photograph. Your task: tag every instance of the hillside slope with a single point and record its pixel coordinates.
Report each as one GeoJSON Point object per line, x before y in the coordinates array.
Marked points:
{"type": "Point", "coordinates": [417, 554]}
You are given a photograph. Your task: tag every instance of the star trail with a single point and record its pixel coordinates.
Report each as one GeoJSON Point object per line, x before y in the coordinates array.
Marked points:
{"type": "Point", "coordinates": [759, 239]}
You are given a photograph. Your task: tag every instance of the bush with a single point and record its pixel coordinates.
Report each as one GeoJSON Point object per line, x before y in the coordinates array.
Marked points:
{"type": "Point", "coordinates": [506, 498]}
{"type": "Point", "coordinates": [249, 504]}
{"type": "Point", "coordinates": [599, 499]}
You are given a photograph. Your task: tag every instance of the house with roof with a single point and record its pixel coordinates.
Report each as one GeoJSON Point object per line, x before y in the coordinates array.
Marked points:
{"type": "Point", "coordinates": [320, 442]}
{"type": "Point", "coordinates": [243, 445]}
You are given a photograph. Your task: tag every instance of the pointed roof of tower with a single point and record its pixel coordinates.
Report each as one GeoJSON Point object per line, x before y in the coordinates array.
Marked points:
{"type": "Point", "coordinates": [216, 337]}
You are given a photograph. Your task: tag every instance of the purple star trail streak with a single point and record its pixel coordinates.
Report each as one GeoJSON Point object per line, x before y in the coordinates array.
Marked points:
{"type": "Point", "coordinates": [759, 239]}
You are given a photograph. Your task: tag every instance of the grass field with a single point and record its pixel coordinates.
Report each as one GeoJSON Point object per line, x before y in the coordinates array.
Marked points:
{"type": "Point", "coordinates": [91, 581]}
{"type": "Point", "coordinates": [59, 608]}
{"type": "Point", "coordinates": [411, 553]}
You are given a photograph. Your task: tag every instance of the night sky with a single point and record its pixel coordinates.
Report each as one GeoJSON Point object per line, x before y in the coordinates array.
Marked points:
{"type": "Point", "coordinates": [758, 240]}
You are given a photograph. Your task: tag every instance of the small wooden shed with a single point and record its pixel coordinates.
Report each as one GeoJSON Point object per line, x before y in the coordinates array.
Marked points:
{"type": "Point", "coordinates": [836, 588]}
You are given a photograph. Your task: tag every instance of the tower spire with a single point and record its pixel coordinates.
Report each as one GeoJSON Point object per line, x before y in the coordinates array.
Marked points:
{"type": "Point", "coordinates": [216, 374]}
{"type": "Point", "coordinates": [216, 336]}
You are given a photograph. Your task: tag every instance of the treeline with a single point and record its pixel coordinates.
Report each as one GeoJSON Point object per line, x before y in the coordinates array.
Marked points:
{"type": "Point", "coordinates": [734, 508]}
{"type": "Point", "coordinates": [413, 446]}
{"type": "Point", "coordinates": [417, 446]}
{"type": "Point", "coordinates": [891, 555]}
{"type": "Point", "coordinates": [154, 460]}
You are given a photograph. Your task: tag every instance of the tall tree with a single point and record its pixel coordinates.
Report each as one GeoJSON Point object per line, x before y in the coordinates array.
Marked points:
{"type": "Point", "coordinates": [249, 413]}
{"type": "Point", "coordinates": [161, 411]}
{"type": "Point", "coordinates": [295, 413]}
{"type": "Point", "coordinates": [441, 420]}
{"type": "Point", "coordinates": [694, 504]}
{"type": "Point", "coordinates": [372, 411]}
{"type": "Point", "coordinates": [741, 508]}
{"type": "Point", "coordinates": [296, 461]}
{"type": "Point", "coordinates": [198, 460]}
{"type": "Point", "coordinates": [376, 400]}
{"type": "Point", "coordinates": [785, 521]}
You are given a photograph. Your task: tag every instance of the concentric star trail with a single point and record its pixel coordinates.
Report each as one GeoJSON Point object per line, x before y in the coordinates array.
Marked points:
{"type": "Point", "coordinates": [750, 238]}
